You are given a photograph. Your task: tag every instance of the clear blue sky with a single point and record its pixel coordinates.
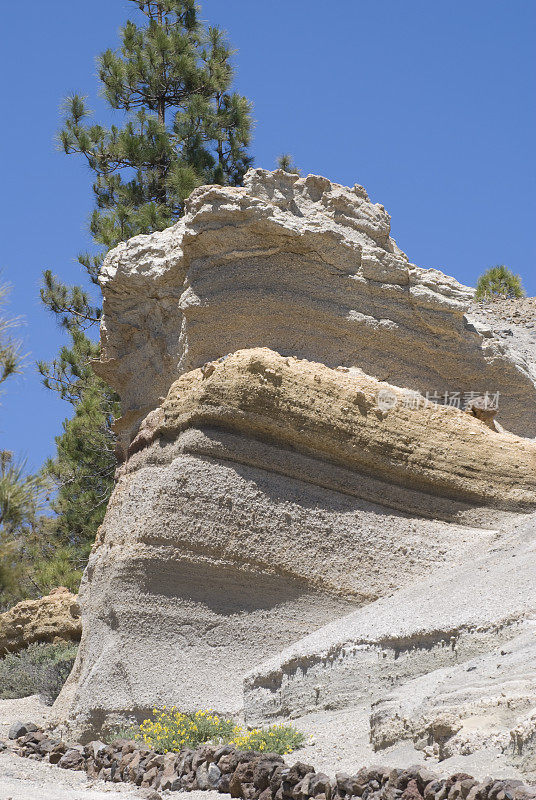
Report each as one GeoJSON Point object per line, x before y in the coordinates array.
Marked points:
{"type": "Point", "coordinates": [429, 104]}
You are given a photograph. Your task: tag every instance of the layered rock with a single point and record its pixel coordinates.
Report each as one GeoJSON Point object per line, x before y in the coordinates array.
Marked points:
{"type": "Point", "coordinates": [284, 468]}
{"type": "Point", "coordinates": [345, 420]}
{"type": "Point", "coordinates": [55, 617]}
{"type": "Point", "coordinates": [447, 664]}
{"type": "Point", "coordinates": [304, 267]}
{"type": "Point", "coordinates": [267, 496]}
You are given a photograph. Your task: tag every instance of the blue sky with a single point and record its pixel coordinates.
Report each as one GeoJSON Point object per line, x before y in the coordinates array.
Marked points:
{"type": "Point", "coordinates": [429, 104]}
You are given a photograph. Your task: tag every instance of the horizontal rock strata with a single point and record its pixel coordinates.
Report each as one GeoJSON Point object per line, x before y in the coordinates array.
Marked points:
{"type": "Point", "coordinates": [307, 268]}
{"type": "Point", "coordinates": [207, 565]}
{"type": "Point", "coordinates": [240, 523]}
{"type": "Point", "coordinates": [283, 469]}
{"type": "Point", "coordinates": [316, 410]}
{"type": "Point", "coordinates": [447, 664]}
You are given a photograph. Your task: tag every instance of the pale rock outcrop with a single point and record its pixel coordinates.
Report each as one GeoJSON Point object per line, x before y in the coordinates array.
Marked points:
{"type": "Point", "coordinates": [304, 267]}
{"type": "Point", "coordinates": [315, 410]}
{"type": "Point", "coordinates": [447, 663]}
{"type": "Point", "coordinates": [267, 496]}
{"type": "Point", "coordinates": [282, 512]}
{"type": "Point", "coordinates": [54, 617]}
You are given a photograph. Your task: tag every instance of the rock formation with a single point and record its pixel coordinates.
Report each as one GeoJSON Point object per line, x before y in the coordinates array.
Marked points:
{"type": "Point", "coordinates": [306, 268]}
{"type": "Point", "coordinates": [310, 464]}
{"type": "Point", "coordinates": [446, 663]}
{"type": "Point", "coordinates": [52, 618]}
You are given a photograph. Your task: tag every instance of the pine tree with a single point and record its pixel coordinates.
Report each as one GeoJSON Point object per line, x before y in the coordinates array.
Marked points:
{"type": "Point", "coordinates": [179, 126]}
{"type": "Point", "coordinates": [499, 282]}
{"type": "Point", "coordinates": [182, 125]}
{"type": "Point", "coordinates": [19, 492]}
{"type": "Point", "coordinates": [83, 470]}
{"type": "Point", "coordinates": [19, 502]}
{"type": "Point", "coordinates": [286, 163]}
{"type": "Point", "coordinates": [10, 349]}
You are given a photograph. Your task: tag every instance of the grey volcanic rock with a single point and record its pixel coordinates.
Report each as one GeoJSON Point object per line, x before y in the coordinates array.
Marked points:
{"type": "Point", "coordinates": [210, 560]}
{"type": "Point", "coordinates": [270, 519]}
{"type": "Point", "coordinates": [448, 664]}
{"type": "Point", "coordinates": [17, 729]}
{"type": "Point", "coordinates": [304, 267]}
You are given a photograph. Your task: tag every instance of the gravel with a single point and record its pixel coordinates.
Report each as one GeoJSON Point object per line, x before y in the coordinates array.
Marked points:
{"type": "Point", "coordinates": [22, 779]}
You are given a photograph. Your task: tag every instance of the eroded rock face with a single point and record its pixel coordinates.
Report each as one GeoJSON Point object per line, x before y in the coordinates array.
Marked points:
{"type": "Point", "coordinates": [304, 267]}
{"type": "Point", "coordinates": [268, 496]}
{"type": "Point", "coordinates": [315, 410]}
{"type": "Point", "coordinates": [266, 492]}
{"type": "Point", "coordinates": [54, 617]}
{"type": "Point", "coordinates": [447, 663]}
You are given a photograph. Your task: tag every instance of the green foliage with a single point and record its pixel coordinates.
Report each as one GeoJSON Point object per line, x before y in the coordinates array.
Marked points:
{"type": "Point", "coordinates": [71, 304]}
{"type": "Point", "coordinates": [49, 562]}
{"type": "Point", "coordinates": [20, 493]}
{"type": "Point", "coordinates": [21, 496]}
{"type": "Point", "coordinates": [184, 126]}
{"type": "Point", "coordinates": [286, 163]}
{"type": "Point", "coordinates": [12, 573]}
{"type": "Point", "coordinates": [10, 354]}
{"type": "Point", "coordinates": [499, 281]}
{"type": "Point", "coordinates": [179, 125]}
{"type": "Point", "coordinates": [39, 669]}
{"type": "Point", "coordinates": [280, 739]}
{"type": "Point", "coordinates": [82, 471]}
{"type": "Point", "coordinates": [173, 730]}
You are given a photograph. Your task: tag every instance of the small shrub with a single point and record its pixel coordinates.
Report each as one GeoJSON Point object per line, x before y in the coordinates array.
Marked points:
{"type": "Point", "coordinates": [499, 281]}
{"type": "Point", "coordinates": [280, 739]}
{"type": "Point", "coordinates": [172, 730]}
{"type": "Point", "coordinates": [116, 732]}
{"type": "Point", "coordinates": [285, 163]}
{"type": "Point", "coordinates": [39, 669]}
{"type": "Point", "coordinates": [54, 676]}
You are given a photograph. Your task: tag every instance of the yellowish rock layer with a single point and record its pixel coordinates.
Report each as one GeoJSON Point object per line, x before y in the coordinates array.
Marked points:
{"type": "Point", "coordinates": [54, 617]}
{"type": "Point", "coordinates": [324, 412]}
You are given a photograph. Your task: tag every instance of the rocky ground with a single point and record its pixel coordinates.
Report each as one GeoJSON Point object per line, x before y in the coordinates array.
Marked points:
{"type": "Point", "coordinates": [252, 775]}
{"type": "Point", "coordinates": [335, 745]}
{"type": "Point", "coordinates": [514, 321]}
{"type": "Point", "coordinates": [514, 312]}
{"type": "Point", "coordinates": [22, 779]}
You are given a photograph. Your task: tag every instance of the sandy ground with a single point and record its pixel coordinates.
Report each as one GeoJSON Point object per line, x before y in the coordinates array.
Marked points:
{"type": "Point", "coordinates": [24, 779]}
{"type": "Point", "coordinates": [339, 742]}
{"type": "Point", "coordinates": [23, 709]}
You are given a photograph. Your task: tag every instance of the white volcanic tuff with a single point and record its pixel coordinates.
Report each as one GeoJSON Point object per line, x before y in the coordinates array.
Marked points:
{"type": "Point", "coordinates": [458, 646]}
{"type": "Point", "coordinates": [307, 268]}
{"type": "Point", "coordinates": [243, 520]}
{"type": "Point", "coordinates": [209, 561]}
{"type": "Point", "coordinates": [221, 547]}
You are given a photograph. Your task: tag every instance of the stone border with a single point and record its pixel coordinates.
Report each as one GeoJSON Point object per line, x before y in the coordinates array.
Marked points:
{"type": "Point", "coordinates": [254, 776]}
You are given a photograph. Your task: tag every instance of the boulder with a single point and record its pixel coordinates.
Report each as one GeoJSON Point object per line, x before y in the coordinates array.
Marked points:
{"type": "Point", "coordinates": [54, 617]}
{"type": "Point", "coordinates": [17, 729]}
